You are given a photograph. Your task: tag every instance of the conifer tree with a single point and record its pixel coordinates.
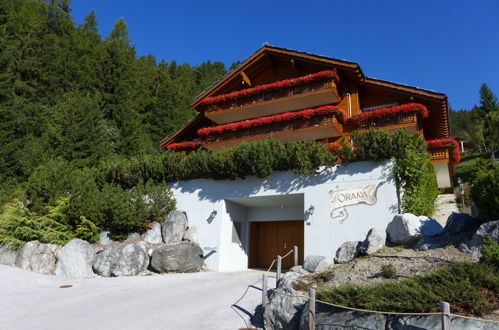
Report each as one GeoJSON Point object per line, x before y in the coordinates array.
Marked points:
{"type": "Point", "coordinates": [489, 110]}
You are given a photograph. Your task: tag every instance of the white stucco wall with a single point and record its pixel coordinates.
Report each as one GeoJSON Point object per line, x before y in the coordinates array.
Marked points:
{"type": "Point", "coordinates": [323, 235]}
{"type": "Point", "coordinates": [442, 174]}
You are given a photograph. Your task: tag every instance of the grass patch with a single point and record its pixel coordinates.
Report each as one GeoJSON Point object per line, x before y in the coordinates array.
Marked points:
{"type": "Point", "coordinates": [470, 288]}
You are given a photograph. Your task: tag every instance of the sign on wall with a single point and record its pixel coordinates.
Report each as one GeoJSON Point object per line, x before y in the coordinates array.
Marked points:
{"type": "Point", "coordinates": [347, 197]}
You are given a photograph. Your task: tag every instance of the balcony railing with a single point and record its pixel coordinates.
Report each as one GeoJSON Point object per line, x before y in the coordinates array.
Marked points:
{"type": "Point", "coordinates": [440, 155]}
{"type": "Point", "coordinates": [318, 127]}
{"type": "Point", "coordinates": [404, 120]}
{"type": "Point", "coordinates": [271, 95]}
{"type": "Point", "coordinates": [264, 100]}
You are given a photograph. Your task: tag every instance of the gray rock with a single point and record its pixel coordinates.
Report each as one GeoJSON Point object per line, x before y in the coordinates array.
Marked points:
{"type": "Point", "coordinates": [153, 235]}
{"type": "Point", "coordinates": [474, 245]}
{"type": "Point", "coordinates": [329, 317]}
{"type": "Point", "coordinates": [75, 260]}
{"type": "Point", "coordinates": [460, 227]}
{"type": "Point", "coordinates": [37, 257]}
{"type": "Point", "coordinates": [298, 269]}
{"type": "Point", "coordinates": [347, 251]}
{"type": "Point", "coordinates": [409, 322]}
{"type": "Point", "coordinates": [191, 235]}
{"type": "Point", "coordinates": [7, 256]}
{"type": "Point", "coordinates": [404, 229]}
{"type": "Point", "coordinates": [104, 238]}
{"type": "Point", "coordinates": [182, 257]}
{"type": "Point", "coordinates": [122, 260]}
{"type": "Point", "coordinates": [132, 237]}
{"type": "Point", "coordinates": [324, 265]}
{"type": "Point", "coordinates": [311, 262]}
{"type": "Point", "coordinates": [374, 241]}
{"type": "Point", "coordinates": [174, 226]}
{"type": "Point", "coordinates": [285, 304]}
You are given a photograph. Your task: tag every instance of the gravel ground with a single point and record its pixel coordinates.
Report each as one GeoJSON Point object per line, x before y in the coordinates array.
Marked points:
{"type": "Point", "coordinates": [366, 270]}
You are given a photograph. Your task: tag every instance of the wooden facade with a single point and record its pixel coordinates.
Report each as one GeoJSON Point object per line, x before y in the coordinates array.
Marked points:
{"type": "Point", "coordinates": [275, 83]}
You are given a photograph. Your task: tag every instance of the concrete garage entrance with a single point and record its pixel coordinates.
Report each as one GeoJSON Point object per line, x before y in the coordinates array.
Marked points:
{"type": "Point", "coordinates": [271, 238]}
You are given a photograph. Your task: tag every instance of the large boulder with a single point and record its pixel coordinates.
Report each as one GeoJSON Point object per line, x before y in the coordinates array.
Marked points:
{"type": "Point", "coordinates": [324, 265]}
{"type": "Point", "coordinates": [311, 262]}
{"type": "Point", "coordinates": [174, 226]}
{"type": "Point", "coordinates": [122, 260]}
{"type": "Point", "coordinates": [132, 237]}
{"type": "Point", "coordinates": [405, 322]}
{"type": "Point", "coordinates": [153, 235]}
{"type": "Point", "coordinates": [191, 235]}
{"type": "Point", "coordinates": [182, 257]}
{"type": "Point", "coordinates": [75, 260]}
{"type": "Point", "coordinates": [285, 304]}
{"type": "Point", "coordinates": [337, 318]}
{"type": "Point", "coordinates": [460, 227]}
{"type": "Point", "coordinates": [347, 251]}
{"type": "Point", "coordinates": [105, 238]}
{"type": "Point", "coordinates": [407, 229]}
{"type": "Point", "coordinates": [7, 256]}
{"type": "Point", "coordinates": [37, 257]}
{"type": "Point", "coordinates": [474, 244]}
{"type": "Point", "coordinates": [374, 241]}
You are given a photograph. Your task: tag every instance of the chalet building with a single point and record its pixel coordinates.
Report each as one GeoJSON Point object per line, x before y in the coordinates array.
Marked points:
{"type": "Point", "coordinates": [299, 96]}
{"type": "Point", "coordinates": [296, 96]}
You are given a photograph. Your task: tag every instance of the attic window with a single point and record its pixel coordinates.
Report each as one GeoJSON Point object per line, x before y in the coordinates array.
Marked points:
{"type": "Point", "coordinates": [380, 106]}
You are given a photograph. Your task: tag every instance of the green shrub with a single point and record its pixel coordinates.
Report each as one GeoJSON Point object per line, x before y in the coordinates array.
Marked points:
{"type": "Point", "coordinates": [485, 191]}
{"type": "Point", "coordinates": [469, 287]}
{"type": "Point", "coordinates": [388, 271]}
{"type": "Point", "coordinates": [490, 252]}
{"type": "Point", "coordinates": [18, 225]}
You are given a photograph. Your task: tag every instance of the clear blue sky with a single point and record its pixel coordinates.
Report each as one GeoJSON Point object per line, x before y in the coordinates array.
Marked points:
{"type": "Point", "coordinates": [447, 46]}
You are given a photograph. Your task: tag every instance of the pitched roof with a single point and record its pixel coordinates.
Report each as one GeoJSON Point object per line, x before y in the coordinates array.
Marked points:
{"type": "Point", "coordinates": [352, 67]}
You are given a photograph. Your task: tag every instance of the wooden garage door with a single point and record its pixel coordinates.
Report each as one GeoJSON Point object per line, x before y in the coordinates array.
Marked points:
{"type": "Point", "coordinates": [271, 238]}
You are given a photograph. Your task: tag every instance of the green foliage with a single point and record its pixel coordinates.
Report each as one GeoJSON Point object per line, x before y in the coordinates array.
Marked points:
{"type": "Point", "coordinates": [18, 225]}
{"type": "Point", "coordinates": [485, 189]}
{"type": "Point", "coordinates": [413, 171]}
{"type": "Point", "coordinates": [468, 287]}
{"type": "Point", "coordinates": [490, 252]}
{"type": "Point", "coordinates": [388, 271]}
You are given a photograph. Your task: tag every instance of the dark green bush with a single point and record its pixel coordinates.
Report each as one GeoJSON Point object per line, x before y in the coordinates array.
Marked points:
{"type": "Point", "coordinates": [468, 287]}
{"type": "Point", "coordinates": [485, 191]}
{"type": "Point", "coordinates": [490, 252]}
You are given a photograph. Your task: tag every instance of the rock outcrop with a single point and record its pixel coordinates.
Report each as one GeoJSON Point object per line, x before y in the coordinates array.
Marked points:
{"type": "Point", "coordinates": [37, 257]}
{"type": "Point", "coordinates": [122, 260]}
{"type": "Point", "coordinates": [105, 238]}
{"type": "Point", "coordinates": [191, 235]}
{"type": "Point", "coordinates": [311, 262]}
{"type": "Point", "coordinates": [174, 226]}
{"type": "Point", "coordinates": [374, 241]}
{"type": "Point", "coordinates": [75, 260]}
{"type": "Point", "coordinates": [347, 251]}
{"type": "Point", "coordinates": [460, 227]}
{"type": "Point", "coordinates": [153, 235]}
{"type": "Point", "coordinates": [284, 306]}
{"type": "Point", "coordinates": [182, 257]}
{"type": "Point", "coordinates": [324, 265]}
{"type": "Point", "coordinates": [474, 244]}
{"type": "Point", "coordinates": [7, 256]}
{"type": "Point", "coordinates": [407, 229]}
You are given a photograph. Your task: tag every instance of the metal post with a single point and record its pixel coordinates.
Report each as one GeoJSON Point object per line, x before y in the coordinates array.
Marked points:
{"type": "Point", "coordinates": [278, 273]}
{"type": "Point", "coordinates": [445, 309]}
{"type": "Point", "coordinates": [264, 290]}
{"type": "Point", "coordinates": [295, 254]}
{"type": "Point", "coordinates": [311, 309]}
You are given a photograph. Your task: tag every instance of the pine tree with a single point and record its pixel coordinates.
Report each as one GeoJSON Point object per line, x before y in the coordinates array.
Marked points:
{"type": "Point", "coordinates": [489, 110]}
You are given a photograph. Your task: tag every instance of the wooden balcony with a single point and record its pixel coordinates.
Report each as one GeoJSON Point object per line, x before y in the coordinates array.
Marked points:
{"type": "Point", "coordinates": [286, 99]}
{"type": "Point", "coordinates": [409, 121]}
{"type": "Point", "coordinates": [315, 128]}
{"type": "Point", "coordinates": [440, 155]}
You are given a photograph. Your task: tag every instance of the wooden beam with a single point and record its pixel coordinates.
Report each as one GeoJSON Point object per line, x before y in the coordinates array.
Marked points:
{"type": "Point", "coordinates": [246, 79]}
{"type": "Point", "coordinates": [271, 62]}
{"type": "Point", "coordinates": [296, 66]}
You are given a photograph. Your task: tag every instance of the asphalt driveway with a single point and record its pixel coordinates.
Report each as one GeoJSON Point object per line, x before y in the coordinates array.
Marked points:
{"type": "Point", "coordinates": [171, 301]}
